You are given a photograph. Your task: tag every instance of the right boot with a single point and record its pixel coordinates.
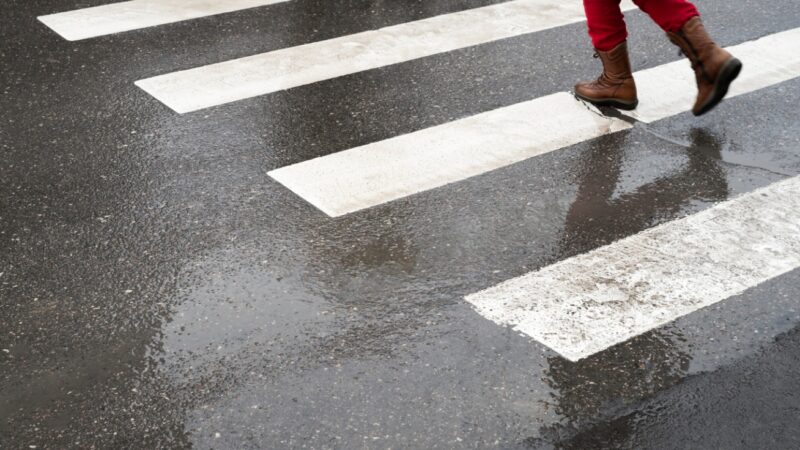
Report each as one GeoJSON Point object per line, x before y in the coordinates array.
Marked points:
{"type": "Point", "coordinates": [714, 68]}
{"type": "Point", "coordinates": [615, 86]}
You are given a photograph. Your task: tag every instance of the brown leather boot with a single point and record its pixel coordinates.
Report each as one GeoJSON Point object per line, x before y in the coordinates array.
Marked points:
{"type": "Point", "coordinates": [615, 87]}
{"type": "Point", "coordinates": [713, 66]}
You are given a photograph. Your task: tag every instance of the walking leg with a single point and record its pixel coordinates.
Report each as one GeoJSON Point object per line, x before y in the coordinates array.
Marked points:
{"type": "Point", "coordinates": [615, 86]}
{"type": "Point", "coordinates": [715, 68]}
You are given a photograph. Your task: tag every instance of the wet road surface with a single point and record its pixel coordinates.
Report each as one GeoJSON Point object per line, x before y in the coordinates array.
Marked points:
{"type": "Point", "coordinates": [160, 290]}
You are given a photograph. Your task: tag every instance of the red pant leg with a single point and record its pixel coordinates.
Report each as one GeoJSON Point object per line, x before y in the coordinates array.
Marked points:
{"type": "Point", "coordinates": [606, 23]}
{"type": "Point", "coordinates": [670, 15]}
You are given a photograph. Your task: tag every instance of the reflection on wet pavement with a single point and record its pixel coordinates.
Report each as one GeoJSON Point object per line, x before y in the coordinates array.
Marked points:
{"type": "Point", "coordinates": [598, 215]}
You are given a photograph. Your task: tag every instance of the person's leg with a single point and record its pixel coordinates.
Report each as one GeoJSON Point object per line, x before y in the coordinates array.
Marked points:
{"type": "Point", "coordinates": [715, 68]}
{"type": "Point", "coordinates": [670, 15]}
{"type": "Point", "coordinates": [606, 24]}
{"type": "Point", "coordinates": [615, 87]}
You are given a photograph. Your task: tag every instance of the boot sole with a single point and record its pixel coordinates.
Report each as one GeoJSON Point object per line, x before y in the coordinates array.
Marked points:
{"type": "Point", "coordinates": [730, 70]}
{"type": "Point", "coordinates": [614, 103]}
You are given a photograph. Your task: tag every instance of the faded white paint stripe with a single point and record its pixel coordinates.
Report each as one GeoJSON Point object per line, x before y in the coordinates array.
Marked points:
{"type": "Point", "coordinates": [588, 303]}
{"type": "Point", "coordinates": [380, 172]}
{"type": "Point", "coordinates": [670, 89]}
{"type": "Point", "coordinates": [376, 173]}
{"type": "Point", "coordinates": [133, 15]}
{"type": "Point", "coordinates": [229, 81]}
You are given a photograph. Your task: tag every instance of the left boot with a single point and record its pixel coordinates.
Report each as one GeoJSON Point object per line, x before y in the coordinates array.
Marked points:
{"type": "Point", "coordinates": [714, 68]}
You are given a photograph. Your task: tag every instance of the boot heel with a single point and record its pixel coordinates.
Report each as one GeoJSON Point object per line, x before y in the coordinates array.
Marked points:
{"type": "Point", "coordinates": [627, 106]}
{"type": "Point", "coordinates": [729, 72]}
{"type": "Point", "coordinates": [612, 102]}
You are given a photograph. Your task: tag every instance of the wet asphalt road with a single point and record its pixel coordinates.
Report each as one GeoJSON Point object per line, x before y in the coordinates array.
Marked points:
{"type": "Point", "coordinates": [159, 290]}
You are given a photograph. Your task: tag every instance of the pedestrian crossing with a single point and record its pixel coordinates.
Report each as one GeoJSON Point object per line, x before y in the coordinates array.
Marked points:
{"type": "Point", "coordinates": [579, 306]}
{"type": "Point", "coordinates": [431, 158]}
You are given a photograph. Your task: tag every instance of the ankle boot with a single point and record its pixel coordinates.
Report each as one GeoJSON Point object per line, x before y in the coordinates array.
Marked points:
{"type": "Point", "coordinates": [615, 87]}
{"type": "Point", "coordinates": [713, 66]}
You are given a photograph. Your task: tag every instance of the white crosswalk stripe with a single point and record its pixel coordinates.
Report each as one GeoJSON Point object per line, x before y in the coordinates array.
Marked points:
{"type": "Point", "coordinates": [384, 171]}
{"type": "Point", "coordinates": [216, 84]}
{"type": "Point", "coordinates": [588, 303]}
{"type": "Point", "coordinates": [133, 15]}
{"type": "Point", "coordinates": [349, 181]}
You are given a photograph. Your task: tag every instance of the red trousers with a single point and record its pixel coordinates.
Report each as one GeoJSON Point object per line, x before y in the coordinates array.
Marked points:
{"type": "Point", "coordinates": [607, 26]}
